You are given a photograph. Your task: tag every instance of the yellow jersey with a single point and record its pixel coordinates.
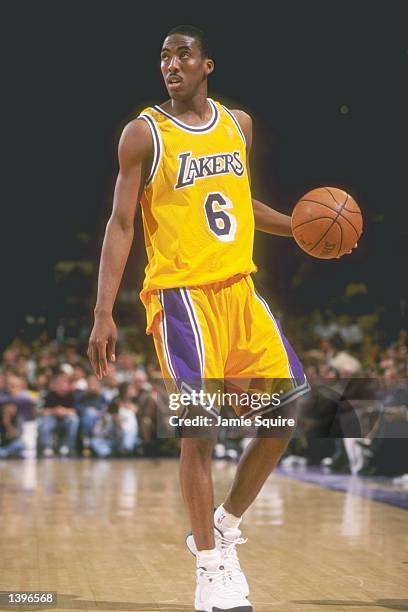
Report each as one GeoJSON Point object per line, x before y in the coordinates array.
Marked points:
{"type": "Point", "coordinates": [197, 211]}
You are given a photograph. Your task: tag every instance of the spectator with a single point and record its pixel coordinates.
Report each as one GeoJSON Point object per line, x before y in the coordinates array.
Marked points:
{"type": "Point", "coordinates": [25, 367]}
{"type": "Point", "coordinates": [78, 379]}
{"type": "Point", "coordinates": [11, 427]}
{"type": "Point", "coordinates": [123, 411]}
{"type": "Point", "coordinates": [47, 360]}
{"type": "Point", "coordinates": [325, 371]}
{"type": "Point", "coordinates": [41, 384]}
{"type": "Point", "coordinates": [344, 363]}
{"type": "Point", "coordinates": [163, 431]}
{"type": "Point", "coordinates": [401, 359]}
{"type": "Point", "coordinates": [110, 384]}
{"type": "Point", "coordinates": [350, 331]}
{"type": "Point", "coordinates": [326, 327]}
{"type": "Point", "coordinates": [402, 339]}
{"type": "Point", "coordinates": [92, 405]}
{"type": "Point", "coordinates": [323, 353]}
{"type": "Point", "coordinates": [9, 358]}
{"type": "Point", "coordinates": [15, 391]}
{"type": "Point", "coordinates": [146, 408]}
{"type": "Point", "coordinates": [69, 355]}
{"type": "Point", "coordinates": [59, 416]}
{"type": "Point", "coordinates": [331, 350]}
{"type": "Point", "coordinates": [125, 367]}
{"type": "Point", "coordinates": [17, 394]}
{"type": "Point", "coordinates": [103, 440]}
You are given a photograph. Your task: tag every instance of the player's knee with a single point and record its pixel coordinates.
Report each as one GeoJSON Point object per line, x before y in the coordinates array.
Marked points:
{"type": "Point", "coordinates": [197, 447]}
{"type": "Point", "coordinates": [278, 423]}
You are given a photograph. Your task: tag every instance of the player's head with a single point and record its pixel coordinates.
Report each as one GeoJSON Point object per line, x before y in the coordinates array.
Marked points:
{"type": "Point", "coordinates": [185, 61]}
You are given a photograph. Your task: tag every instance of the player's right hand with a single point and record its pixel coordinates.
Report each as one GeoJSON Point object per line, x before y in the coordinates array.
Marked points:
{"type": "Point", "coordinates": [102, 343]}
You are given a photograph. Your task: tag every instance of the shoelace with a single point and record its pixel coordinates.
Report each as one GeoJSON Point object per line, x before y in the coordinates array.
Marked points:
{"type": "Point", "coordinates": [229, 551]}
{"type": "Point", "coordinates": [220, 577]}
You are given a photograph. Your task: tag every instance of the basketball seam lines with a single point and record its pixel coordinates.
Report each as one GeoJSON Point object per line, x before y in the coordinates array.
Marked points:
{"type": "Point", "coordinates": [311, 221]}
{"type": "Point", "coordinates": [327, 206]}
{"type": "Point", "coordinates": [328, 190]}
{"type": "Point", "coordinates": [334, 221]}
{"type": "Point", "coordinates": [341, 238]}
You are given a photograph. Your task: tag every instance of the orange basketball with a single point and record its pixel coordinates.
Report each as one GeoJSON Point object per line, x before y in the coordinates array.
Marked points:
{"type": "Point", "coordinates": [327, 222]}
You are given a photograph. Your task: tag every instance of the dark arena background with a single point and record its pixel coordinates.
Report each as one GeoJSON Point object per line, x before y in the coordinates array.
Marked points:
{"type": "Point", "coordinates": [326, 84]}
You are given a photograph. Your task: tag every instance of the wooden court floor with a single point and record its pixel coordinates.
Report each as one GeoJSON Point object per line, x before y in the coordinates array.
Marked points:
{"type": "Point", "coordinates": [109, 535]}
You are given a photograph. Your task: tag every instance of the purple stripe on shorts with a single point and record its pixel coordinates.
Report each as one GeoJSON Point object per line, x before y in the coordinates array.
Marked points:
{"type": "Point", "coordinates": [294, 364]}
{"type": "Point", "coordinates": [194, 322]}
{"type": "Point", "coordinates": [294, 361]}
{"type": "Point", "coordinates": [181, 342]}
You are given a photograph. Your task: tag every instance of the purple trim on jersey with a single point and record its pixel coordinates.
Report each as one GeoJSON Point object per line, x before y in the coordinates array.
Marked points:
{"type": "Point", "coordinates": [235, 120]}
{"type": "Point", "coordinates": [191, 128]}
{"type": "Point", "coordinates": [180, 340]}
{"type": "Point", "coordinates": [156, 146]}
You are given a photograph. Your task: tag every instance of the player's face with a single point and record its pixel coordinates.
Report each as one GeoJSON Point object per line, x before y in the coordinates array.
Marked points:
{"type": "Point", "coordinates": [182, 66]}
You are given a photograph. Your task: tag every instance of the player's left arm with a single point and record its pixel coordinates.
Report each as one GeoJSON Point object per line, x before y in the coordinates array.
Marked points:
{"type": "Point", "coordinates": [267, 219]}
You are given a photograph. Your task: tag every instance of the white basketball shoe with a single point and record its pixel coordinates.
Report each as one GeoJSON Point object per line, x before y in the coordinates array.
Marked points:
{"type": "Point", "coordinates": [226, 542]}
{"type": "Point", "coordinates": [216, 592]}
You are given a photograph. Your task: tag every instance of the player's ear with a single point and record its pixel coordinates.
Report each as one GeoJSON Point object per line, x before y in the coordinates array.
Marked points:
{"type": "Point", "coordinates": [209, 66]}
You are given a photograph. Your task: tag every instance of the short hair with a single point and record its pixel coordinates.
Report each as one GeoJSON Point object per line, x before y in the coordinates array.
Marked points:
{"type": "Point", "coordinates": [199, 36]}
{"type": "Point", "coordinates": [123, 387]}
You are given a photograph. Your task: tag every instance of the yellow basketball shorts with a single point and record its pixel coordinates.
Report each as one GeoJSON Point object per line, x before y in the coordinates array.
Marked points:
{"type": "Point", "coordinates": [225, 334]}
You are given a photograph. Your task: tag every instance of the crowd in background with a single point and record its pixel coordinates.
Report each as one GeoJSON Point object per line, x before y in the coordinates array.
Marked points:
{"type": "Point", "coordinates": [52, 404]}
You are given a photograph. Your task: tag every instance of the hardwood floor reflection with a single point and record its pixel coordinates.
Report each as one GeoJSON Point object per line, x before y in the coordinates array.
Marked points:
{"type": "Point", "coordinates": [109, 535]}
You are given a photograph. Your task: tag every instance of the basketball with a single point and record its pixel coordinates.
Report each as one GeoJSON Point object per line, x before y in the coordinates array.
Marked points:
{"type": "Point", "coordinates": [327, 222]}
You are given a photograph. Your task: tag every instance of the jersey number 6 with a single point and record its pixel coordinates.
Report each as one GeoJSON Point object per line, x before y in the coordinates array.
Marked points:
{"type": "Point", "coordinates": [221, 223]}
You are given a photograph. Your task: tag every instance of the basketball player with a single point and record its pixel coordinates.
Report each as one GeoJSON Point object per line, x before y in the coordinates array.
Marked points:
{"type": "Point", "coordinates": [186, 161]}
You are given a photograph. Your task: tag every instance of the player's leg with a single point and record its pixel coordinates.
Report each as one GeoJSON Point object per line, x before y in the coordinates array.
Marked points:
{"type": "Point", "coordinates": [187, 352]}
{"type": "Point", "coordinates": [257, 462]}
{"type": "Point", "coordinates": [215, 587]}
{"type": "Point", "coordinates": [197, 489]}
{"type": "Point", "coordinates": [183, 347]}
{"type": "Point", "coordinates": [261, 358]}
